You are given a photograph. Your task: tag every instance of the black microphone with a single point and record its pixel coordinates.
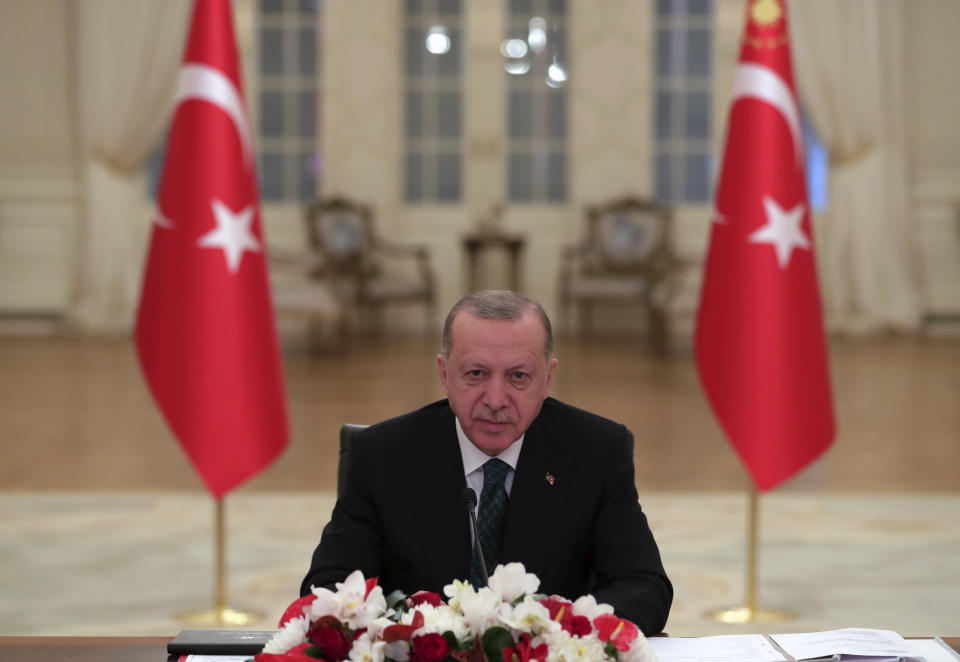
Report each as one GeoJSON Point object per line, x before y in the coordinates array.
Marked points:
{"type": "Point", "coordinates": [470, 501]}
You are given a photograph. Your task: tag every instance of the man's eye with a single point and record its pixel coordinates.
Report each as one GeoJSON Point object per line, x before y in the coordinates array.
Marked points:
{"type": "Point", "coordinates": [519, 376]}
{"type": "Point", "coordinates": [476, 374]}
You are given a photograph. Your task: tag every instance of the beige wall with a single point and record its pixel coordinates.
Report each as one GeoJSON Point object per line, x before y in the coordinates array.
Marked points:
{"type": "Point", "coordinates": [39, 204]}
{"type": "Point", "coordinates": [609, 123]}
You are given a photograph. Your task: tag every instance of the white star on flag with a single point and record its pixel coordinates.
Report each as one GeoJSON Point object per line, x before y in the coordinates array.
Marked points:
{"type": "Point", "coordinates": [232, 234]}
{"type": "Point", "coordinates": [782, 230]}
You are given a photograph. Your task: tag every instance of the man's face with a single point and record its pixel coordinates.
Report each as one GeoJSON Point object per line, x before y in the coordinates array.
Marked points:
{"type": "Point", "coordinates": [496, 377]}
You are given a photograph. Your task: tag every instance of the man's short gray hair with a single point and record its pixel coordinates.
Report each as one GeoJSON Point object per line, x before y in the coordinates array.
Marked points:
{"type": "Point", "coordinates": [496, 305]}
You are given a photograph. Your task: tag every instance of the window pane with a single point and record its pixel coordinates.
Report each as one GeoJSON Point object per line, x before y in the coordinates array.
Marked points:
{"type": "Point", "coordinates": [308, 176]}
{"type": "Point", "coordinates": [697, 115]}
{"type": "Point", "coordinates": [448, 177]}
{"type": "Point", "coordinates": [664, 121]}
{"type": "Point", "coordinates": [697, 168]}
{"type": "Point", "coordinates": [309, 6]}
{"type": "Point", "coordinates": [414, 52]}
{"type": "Point", "coordinates": [414, 114]}
{"type": "Point", "coordinates": [664, 178]}
{"type": "Point", "coordinates": [522, 7]}
{"type": "Point", "coordinates": [448, 115]}
{"type": "Point", "coordinates": [413, 177]}
{"type": "Point", "coordinates": [520, 114]}
{"type": "Point", "coordinates": [556, 177]}
{"type": "Point", "coordinates": [668, 57]}
{"type": "Point", "coordinates": [701, 7]}
{"type": "Point", "coordinates": [448, 64]}
{"type": "Point", "coordinates": [698, 52]}
{"type": "Point", "coordinates": [557, 114]}
{"type": "Point", "coordinates": [307, 50]}
{"type": "Point", "coordinates": [559, 38]}
{"type": "Point", "coordinates": [448, 6]}
{"type": "Point", "coordinates": [557, 7]}
{"type": "Point", "coordinates": [520, 177]}
{"type": "Point", "coordinates": [306, 119]}
{"type": "Point", "coordinates": [271, 52]}
{"type": "Point", "coordinates": [271, 114]}
{"type": "Point", "coordinates": [271, 176]}
{"type": "Point", "coordinates": [271, 6]}
{"type": "Point", "coordinates": [414, 6]}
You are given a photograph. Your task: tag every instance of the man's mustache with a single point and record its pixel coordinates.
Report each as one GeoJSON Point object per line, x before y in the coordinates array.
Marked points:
{"type": "Point", "coordinates": [502, 415]}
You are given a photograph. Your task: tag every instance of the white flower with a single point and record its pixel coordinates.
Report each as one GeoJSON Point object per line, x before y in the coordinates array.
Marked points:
{"type": "Point", "coordinates": [326, 604]}
{"type": "Point", "coordinates": [453, 591]}
{"type": "Point", "coordinates": [639, 651]}
{"type": "Point", "coordinates": [512, 580]}
{"type": "Point", "coordinates": [292, 634]}
{"type": "Point", "coordinates": [365, 649]}
{"type": "Point", "coordinates": [588, 606]}
{"type": "Point", "coordinates": [398, 650]}
{"type": "Point", "coordinates": [564, 647]}
{"type": "Point", "coordinates": [528, 616]}
{"type": "Point", "coordinates": [438, 620]}
{"type": "Point", "coordinates": [356, 608]}
{"type": "Point", "coordinates": [479, 608]}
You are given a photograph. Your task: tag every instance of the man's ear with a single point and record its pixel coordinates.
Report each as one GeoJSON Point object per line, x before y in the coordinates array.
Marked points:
{"type": "Point", "coordinates": [442, 369]}
{"type": "Point", "coordinates": [550, 368]}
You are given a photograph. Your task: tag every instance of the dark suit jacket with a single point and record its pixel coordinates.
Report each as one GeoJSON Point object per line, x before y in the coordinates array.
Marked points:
{"type": "Point", "coordinates": [402, 517]}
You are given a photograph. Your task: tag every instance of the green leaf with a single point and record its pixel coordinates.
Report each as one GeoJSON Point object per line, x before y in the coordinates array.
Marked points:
{"type": "Point", "coordinates": [313, 651]}
{"type": "Point", "coordinates": [452, 640]}
{"type": "Point", "coordinates": [494, 641]}
{"type": "Point", "coordinates": [396, 597]}
{"type": "Point", "coordinates": [611, 651]}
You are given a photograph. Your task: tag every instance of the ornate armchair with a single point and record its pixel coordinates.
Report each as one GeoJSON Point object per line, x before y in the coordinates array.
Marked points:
{"type": "Point", "coordinates": [625, 256]}
{"type": "Point", "coordinates": [365, 270]}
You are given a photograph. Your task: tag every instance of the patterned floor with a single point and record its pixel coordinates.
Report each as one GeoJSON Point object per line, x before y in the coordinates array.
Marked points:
{"type": "Point", "coordinates": [99, 563]}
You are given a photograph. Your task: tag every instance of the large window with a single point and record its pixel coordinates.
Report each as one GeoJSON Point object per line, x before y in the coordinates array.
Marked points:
{"type": "Point", "coordinates": [536, 66]}
{"type": "Point", "coordinates": [683, 167]}
{"type": "Point", "coordinates": [288, 99]}
{"type": "Point", "coordinates": [433, 116]}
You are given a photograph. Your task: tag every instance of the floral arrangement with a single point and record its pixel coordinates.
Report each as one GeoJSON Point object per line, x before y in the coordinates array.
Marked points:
{"type": "Point", "coordinates": [506, 621]}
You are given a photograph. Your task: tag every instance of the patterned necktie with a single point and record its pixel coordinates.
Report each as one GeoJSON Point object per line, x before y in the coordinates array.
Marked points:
{"type": "Point", "coordinates": [493, 504]}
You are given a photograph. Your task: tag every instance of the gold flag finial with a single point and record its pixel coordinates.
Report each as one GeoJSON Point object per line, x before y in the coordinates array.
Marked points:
{"type": "Point", "coordinates": [766, 12]}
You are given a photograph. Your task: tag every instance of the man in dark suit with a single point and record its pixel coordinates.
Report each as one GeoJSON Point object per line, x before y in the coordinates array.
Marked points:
{"type": "Point", "coordinates": [565, 475]}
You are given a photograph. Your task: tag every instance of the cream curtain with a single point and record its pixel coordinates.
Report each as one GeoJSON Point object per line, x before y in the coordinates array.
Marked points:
{"type": "Point", "coordinates": [127, 58]}
{"type": "Point", "coordinates": [849, 65]}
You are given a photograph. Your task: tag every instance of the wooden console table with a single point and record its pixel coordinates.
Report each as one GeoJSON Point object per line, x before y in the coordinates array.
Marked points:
{"type": "Point", "coordinates": [477, 243]}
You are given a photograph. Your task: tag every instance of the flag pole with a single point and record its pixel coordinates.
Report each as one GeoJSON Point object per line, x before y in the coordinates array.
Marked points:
{"type": "Point", "coordinates": [220, 614]}
{"type": "Point", "coordinates": [750, 612]}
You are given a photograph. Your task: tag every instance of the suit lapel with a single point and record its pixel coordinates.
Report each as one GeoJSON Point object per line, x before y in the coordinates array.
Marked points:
{"type": "Point", "coordinates": [539, 487]}
{"type": "Point", "coordinates": [441, 517]}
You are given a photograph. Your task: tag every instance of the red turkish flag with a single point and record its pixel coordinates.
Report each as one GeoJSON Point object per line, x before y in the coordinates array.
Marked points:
{"type": "Point", "coordinates": [205, 331]}
{"type": "Point", "coordinates": [759, 343]}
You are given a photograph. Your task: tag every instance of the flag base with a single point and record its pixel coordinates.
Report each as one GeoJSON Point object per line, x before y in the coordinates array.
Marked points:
{"type": "Point", "coordinates": [737, 615]}
{"type": "Point", "coordinates": [220, 616]}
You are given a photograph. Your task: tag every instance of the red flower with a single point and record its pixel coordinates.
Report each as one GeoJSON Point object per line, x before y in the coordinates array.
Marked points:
{"type": "Point", "coordinates": [617, 630]}
{"type": "Point", "coordinates": [295, 610]}
{"type": "Point", "coordinates": [421, 597]}
{"type": "Point", "coordinates": [579, 626]}
{"type": "Point", "coordinates": [429, 648]}
{"type": "Point", "coordinates": [400, 632]}
{"type": "Point", "coordinates": [327, 634]}
{"type": "Point", "coordinates": [562, 612]}
{"type": "Point", "coordinates": [295, 654]}
{"type": "Point", "coordinates": [522, 651]}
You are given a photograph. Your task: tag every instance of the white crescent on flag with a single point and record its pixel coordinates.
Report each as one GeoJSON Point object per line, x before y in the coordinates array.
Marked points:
{"type": "Point", "coordinates": [198, 81]}
{"type": "Point", "coordinates": [757, 82]}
